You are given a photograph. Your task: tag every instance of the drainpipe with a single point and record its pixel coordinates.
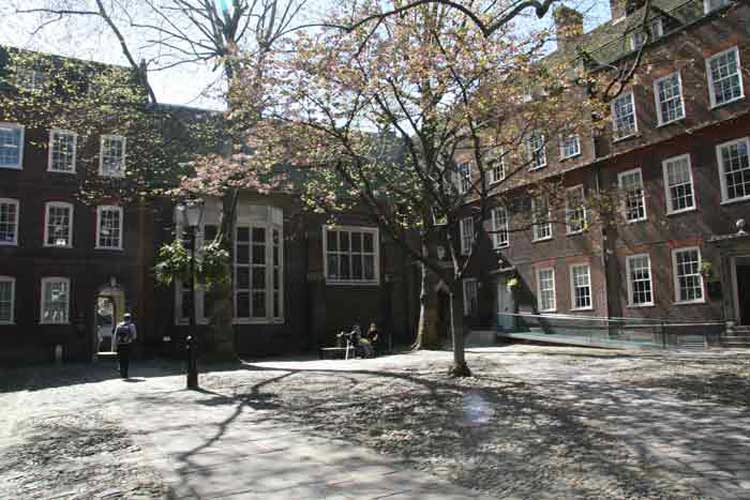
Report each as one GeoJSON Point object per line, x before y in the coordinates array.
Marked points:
{"type": "Point", "coordinates": [605, 246]}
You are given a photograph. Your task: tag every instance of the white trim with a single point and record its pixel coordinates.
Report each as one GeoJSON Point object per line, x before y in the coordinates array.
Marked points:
{"type": "Point", "coordinates": [467, 241]}
{"type": "Point", "coordinates": [104, 137]}
{"type": "Point", "coordinates": [563, 155]}
{"type": "Point", "coordinates": [643, 195]}
{"type": "Point", "coordinates": [659, 117]}
{"type": "Point", "coordinates": [464, 287]}
{"type": "Point", "coordinates": [539, 290]}
{"type": "Point", "coordinates": [573, 288]}
{"type": "Point", "coordinates": [13, 201]}
{"type": "Point", "coordinates": [20, 127]}
{"type": "Point", "coordinates": [534, 225]}
{"type": "Point", "coordinates": [43, 302]}
{"type": "Point", "coordinates": [51, 148]}
{"type": "Point", "coordinates": [675, 281]}
{"type": "Point", "coordinates": [722, 174]}
{"type": "Point", "coordinates": [667, 195]}
{"type": "Point", "coordinates": [99, 210]}
{"type": "Point", "coordinates": [496, 244]}
{"type": "Point", "coordinates": [199, 298]}
{"type": "Point", "coordinates": [628, 258]}
{"type": "Point", "coordinates": [58, 204]}
{"type": "Point", "coordinates": [711, 93]}
{"type": "Point", "coordinates": [12, 281]}
{"type": "Point", "coordinates": [376, 255]}
{"type": "Point", "coordinates": [707, 6]}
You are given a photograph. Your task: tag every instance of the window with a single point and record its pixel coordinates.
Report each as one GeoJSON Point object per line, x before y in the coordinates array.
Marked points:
{"type": "Point", "coordinates": [688, 281]}
{"type": "Point", "coordinates": [575, 210]}
{"type": "Point", "coordinates": [580, 287]}
{"type": "Point", "coordinates": [466, 229]}
{"type": "Point", "coordinates": [535, 151]}
{"type": "Point", "coordinates": [471, 297]}
{"type": "Point", "coordinates": [112, 156]}
{"type": "Point", "coordinates": [678, 184]}
{"type": "Point", "coordinates": [352, 255]}
{"type": "Point", "coordinates": [712, 5]}
{"type": "Point", "coordinates": [62, 151]}
{"type": "Point", "coordinates": [7, 299]}
{"type": "Point", "coordinates": [58, 226]}
{"type": "Point", "coordinates": [500, 227]}
{"type": "Point", "coordinates": [258, 268]}
{"type": "Point", "coordinates": [8, 221]}
{"type": "Point", "coordinates": [623, 116]}
{"type": "Point", "coordinates": [541, 228]}
{"type": "Point", "coordinates": [724, 77]}
{"type": "Point", "coordinates": [570, 146]}
{"type": "Point", "coordinates": [497, 169]}
{"type": "Point", "coordinates": [634, 201]}
{"type": "Point", "coordinates": [734, 168]}
{"type": "Point", "coordinates": [29, 79]}
{"type": "Point", "coordinates": [203, 296]}
{"type": "Point", "coordinates": [636, 39]}
{"type": "Point", "coordinates": [109, 228]}
{"type": "Point", "coordinates": [463, 177]}
{"type": "Point", "coordinates": [11, 146]}
{"type": "Point", "coordinates": [55, 301]}
{"type": "Point", "coordinates": [640, 290]}
{"type": "Point", "coordinates": [545, 280]}
{"type": "Point", "coordinates": [668, 93]}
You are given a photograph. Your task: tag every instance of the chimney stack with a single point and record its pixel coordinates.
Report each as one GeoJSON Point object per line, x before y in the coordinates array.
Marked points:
{"type": "Point", "coordinates": [568, 26]}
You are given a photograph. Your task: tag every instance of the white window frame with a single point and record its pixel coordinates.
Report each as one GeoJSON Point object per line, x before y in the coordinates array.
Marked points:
{"type": "Point", "coordinates": [12, 281]}
{"type": "Point", "coordinates": [667, 194]}
{"type": "Point", "coordinates": [43, 301]}
{"type": "Point", "coordinates": [570, 211]}
{"type": "Point", "coordinates": [540, 301]}
{"type": "Point", "coordinates": [711, 89]}
{"type": "Point", "coordinates": [104, 138]}
{"type": "Point", "coordinates": [628, 269]}
{"type": "Point", "coordinates": [29, 79]}
{"type": "Point", "coordinates": [620, 177]}
{"type": "Point", "coordinates": [50, 157]}
{"type": "Point", "coordinates": [708, 8]}
{"type": "Point", "coordinates": [16, 126]}
{"type": "Point", "coordinates": [659, 114]}
{"type": "Point", "coordinates": [497, 231]}
{"type": "Point", "coordinates": [99, 210]}
{"type": "Point", "coordinates": [675, 277]}
{"type": "Point", "coordinates": [199, 301]}
{"type": "Point", "coordinates": [536, 227]}
{"type": "Point", "coordinates": [16, 203]}
{"type": "Point", "coordinates": [497, 171]}
{"type": "Point", "coordinates": [470, 291]}
{"type": "Point", "coordinates": [536, 156]}
{"type": "Point", "coordinates": [463, 177]}
{"type": "Point", "coordinates": [573, 306]}
{"type": "Point", "coordinates": [613, 106]}
{"type": "Point", "coordinates": [58, 204]}
{"type": "Point", "coordinates": [722, 170]}
{"type": "Point", "coordinates": [376, 256]}
{"type": "Point", "coordinates": [564, 155]}
{"type": "Point", "coordinates": [466, 233]}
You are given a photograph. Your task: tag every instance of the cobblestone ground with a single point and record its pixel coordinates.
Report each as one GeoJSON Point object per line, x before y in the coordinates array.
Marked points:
{"type": "Point", "coordinates": [534, 422]}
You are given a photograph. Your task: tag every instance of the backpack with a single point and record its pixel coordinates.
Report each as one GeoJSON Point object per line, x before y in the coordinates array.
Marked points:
{"type": "Point", "coordinates": [122, 333]}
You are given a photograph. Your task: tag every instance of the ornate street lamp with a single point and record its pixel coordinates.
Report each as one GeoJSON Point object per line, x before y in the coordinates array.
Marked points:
{"type": "Point", "coordinates": [191, 212]}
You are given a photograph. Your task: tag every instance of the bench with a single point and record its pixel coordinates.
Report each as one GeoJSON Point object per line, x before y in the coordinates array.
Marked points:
{"type": "Point", "coordinates": [335, 352]}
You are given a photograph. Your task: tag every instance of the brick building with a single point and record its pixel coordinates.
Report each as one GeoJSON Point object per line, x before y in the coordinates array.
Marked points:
{"type": "Point", "coordinates": [676, 152]}
{"type": "Point", "coordinates": [70, 267]}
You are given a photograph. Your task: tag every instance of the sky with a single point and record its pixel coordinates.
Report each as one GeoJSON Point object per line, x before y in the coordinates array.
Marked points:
{"type": "Point", "coordinates": [193, 85]}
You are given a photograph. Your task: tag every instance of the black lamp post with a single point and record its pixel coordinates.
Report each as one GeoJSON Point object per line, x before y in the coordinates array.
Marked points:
{"type": "Point", "coordinates": [192, 213]}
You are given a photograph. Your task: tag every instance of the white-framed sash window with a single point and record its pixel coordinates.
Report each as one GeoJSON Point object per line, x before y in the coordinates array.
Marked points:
{"type": "Point", "coordinates": [678, 184]}
{"type": "Point", "coordinates": [500, 227]}
{"type": "Point", "coordinates": [62, 151]}
{"type": "Point", "coordinates": [640, 286]}
{"type": "Point", "coordinates": [624, 120]}
{"type": "Point", "coordinates": [670, 105]}
{"type": "Point", "coordinates": [109, 223]}
{"type": "Point", "coordinates": [7, 300]}
{"type": "Point", "coordinates": [9, 217]}
{"type": "Point", "coordinates": [55, 303]}
{"type": "Point", "coordinates": [471, 296]}
{"type": "Point", "coordinates": [466, 230]}
{"type": "Point", "coordinates": [11, 145]}
{"type": "Point", "coordinates": [580, 287]}
{"type": "Point", "coordinates": [688, 280]}
{"type": "Point", "coordinates": [634, 197]}
{"type": "Point", "coordinates": [541, 213]}
{"type": "Point", "coordinates": [112, 156]}
{"type": "Point", "coordinates": [725, 77]}
{"type": "Point", "coordinates": [575, 209]}
{"type": "Point", "coordinates": [545, 283]}
{"type": "Point", "coordinates": [352, 255]}
{"type": "Point", "coordinates": [58, 224]}
{"type": "Point", "coordinates": [733, 158]}
{"type": "Point", "coordinates": [570, 146]}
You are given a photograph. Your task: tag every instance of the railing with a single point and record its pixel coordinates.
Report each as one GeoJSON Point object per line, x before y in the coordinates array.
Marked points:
{"type": "Point", "coordinates": [614, 332]}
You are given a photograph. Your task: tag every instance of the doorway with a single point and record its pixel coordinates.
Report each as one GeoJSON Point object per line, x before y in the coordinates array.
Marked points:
{"type": "Point", "coordinates": [108, 310]}
{"type": "Point", "coordinates": [742, 287]}
{"type": "Point", "coordinates": [505, 306]}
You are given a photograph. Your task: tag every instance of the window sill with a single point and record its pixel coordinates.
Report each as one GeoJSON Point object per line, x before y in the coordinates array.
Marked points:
{"type": "Point", "coordinates": [574, 233]}
{"type": "Point", "coordinates": [109, 249]}
{"type": "Point", "coordinates": [571, 157]}
{"type": "Point", "coordinates": [690, 303]}
{"type": "Point", "coordinates": [11, 167]}
{"type": "Point", "coordinates": [49, 323]}
{"type": "Point", "coordinates": [640, 306]}
{"type": "Point", "coordinates": [625, 138]}
{"type": "Point", "coordinates": [258, 321]}
{"type": "Point", "coordinates": [736, 99]}
{"type": "Point", "coordinates": [579, 309]}
{"type": "Point", "coordinates": [5, 244]}
{"type": "Point", "coordinates": [501, 247]}
{"type": "Point", "coordinates": [351, 283]}
{"type": "Point", "coordinates": [69, 172]}
{"type": "Point", "coordinates": [7, 323]}
{"type": "Point", "coordinates": [636, 221]}
{"type": "Point", "coordinates": [544, 311]}
{"type": "Point", "coordinates": [532, 169]}
{"type": "Point", "coordinates": [735, 200]}
{"type": "Point", "coordinates": [682, 211]}
{"type": "Point", "coordinates": [58, 246]}
{"type": "Point", "coordinates": [671, 122]}
{"type": "Point", "coordinates": [539, 240]}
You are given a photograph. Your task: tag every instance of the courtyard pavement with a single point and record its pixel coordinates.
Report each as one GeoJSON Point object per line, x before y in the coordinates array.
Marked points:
{"type": "Point", "coordinates": [221, 443]}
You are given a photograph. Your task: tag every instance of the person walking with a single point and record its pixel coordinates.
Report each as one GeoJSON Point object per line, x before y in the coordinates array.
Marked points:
{"type": "Point", "coordinates": [125, 334]}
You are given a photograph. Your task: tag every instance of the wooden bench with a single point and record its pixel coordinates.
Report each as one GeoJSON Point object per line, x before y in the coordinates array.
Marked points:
{"type": "Point", "coordinates": [335, 352]}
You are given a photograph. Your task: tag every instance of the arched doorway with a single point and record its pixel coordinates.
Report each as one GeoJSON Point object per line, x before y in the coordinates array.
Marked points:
{"type": "Point", "coordinates": [108, 310]}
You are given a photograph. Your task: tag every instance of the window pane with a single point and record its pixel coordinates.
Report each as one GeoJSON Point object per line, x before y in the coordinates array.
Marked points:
{"type": "Point", "coordinates": [243, 305]}
{"type": "Point", "coordinates": [259, 304]}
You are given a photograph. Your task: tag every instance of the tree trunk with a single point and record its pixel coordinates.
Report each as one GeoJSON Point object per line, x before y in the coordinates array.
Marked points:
{"type": "Point", "coordinates": [427, 330]}
{"type": "Point", "coordinates": [459, 368]}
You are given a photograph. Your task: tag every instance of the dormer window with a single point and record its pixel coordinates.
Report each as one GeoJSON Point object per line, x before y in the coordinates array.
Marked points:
{"type": "Point", "coordinates": [637, 38]}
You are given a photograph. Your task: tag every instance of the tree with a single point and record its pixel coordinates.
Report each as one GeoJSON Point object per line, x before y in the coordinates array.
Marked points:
{"type": "Point", "coordinates": [408, 119]}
